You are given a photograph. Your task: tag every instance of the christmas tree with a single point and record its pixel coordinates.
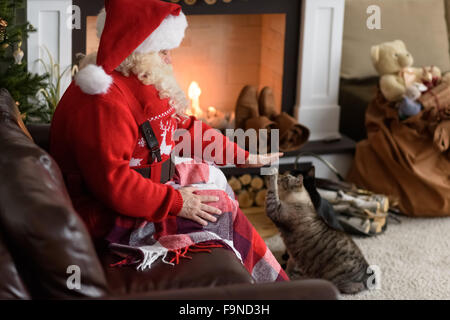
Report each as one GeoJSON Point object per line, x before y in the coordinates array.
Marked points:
{"type": "Point", "coordinates": [14, 76]}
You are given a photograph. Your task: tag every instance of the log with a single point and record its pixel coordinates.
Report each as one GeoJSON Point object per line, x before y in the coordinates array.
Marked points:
{"type": "Point", "coordinates": [245, 199]}
{"type": "Point", "coordinates": [257, 183]}
{"type": "Point", "coordinates": [235, 184]}
{"type": "Point", "coordinates": [260, 198]}
{"type": "Point", "coordinates": [245, 179]}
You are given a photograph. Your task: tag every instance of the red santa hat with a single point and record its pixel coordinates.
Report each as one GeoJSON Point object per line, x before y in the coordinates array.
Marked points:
{"type": "Point", "coordinates": [128, 26]}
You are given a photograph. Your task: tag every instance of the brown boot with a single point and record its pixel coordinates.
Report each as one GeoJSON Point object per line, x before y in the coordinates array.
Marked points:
{"type": "Point", "coordinates": [246, 106]}
{"type": "Point", "coordinates": [293, 135]}
{"type": "Point", "coordinates": [267, 106]}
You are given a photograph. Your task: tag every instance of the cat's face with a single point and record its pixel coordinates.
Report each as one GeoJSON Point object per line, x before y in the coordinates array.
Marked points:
{"type": "Point", "coordinates": [288, 186]}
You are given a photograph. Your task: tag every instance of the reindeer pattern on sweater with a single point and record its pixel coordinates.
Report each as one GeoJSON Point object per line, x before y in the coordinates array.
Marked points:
{"type": "Point", "coordinates": [164, 126]}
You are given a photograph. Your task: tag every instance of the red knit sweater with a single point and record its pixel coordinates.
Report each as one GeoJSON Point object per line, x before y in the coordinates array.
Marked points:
{"type": "Point", "coordinates": [96, 142]}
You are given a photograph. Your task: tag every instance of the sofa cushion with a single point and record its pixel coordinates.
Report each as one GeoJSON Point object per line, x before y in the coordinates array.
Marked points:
{"type": "Point", "coordinates": [45, 236]}
{"type": "Point", "coordinates": [218, 268]}
{"type": "Point", "coordinates": [420, 24]}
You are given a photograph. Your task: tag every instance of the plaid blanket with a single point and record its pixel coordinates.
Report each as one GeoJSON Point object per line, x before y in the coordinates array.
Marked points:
{"type": "Point", "coordinates": [142, 242]}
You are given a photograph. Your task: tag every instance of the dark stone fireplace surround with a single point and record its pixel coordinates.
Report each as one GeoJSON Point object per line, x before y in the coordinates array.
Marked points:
{"type": "Point", "coordinates": [292, 9]}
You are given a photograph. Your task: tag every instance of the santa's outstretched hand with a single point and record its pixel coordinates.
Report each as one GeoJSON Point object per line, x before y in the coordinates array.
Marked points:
{"type": "Point", "coordinates": [261, 160]}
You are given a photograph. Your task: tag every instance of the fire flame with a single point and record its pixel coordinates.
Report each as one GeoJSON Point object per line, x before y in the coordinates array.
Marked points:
{"type": "Point", "coordinates": [194, 93]}
{"type": "Point", "coordinates": [211, 115]}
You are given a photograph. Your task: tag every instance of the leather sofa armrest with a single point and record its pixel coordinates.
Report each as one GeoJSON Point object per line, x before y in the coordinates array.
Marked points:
{"type": "Point", "coordinates": [11, 285]}
{"type": "Point", "coordinates": [43, 232]}
{"type": "Point", "coordinates": [9, 109]}
{"type": "Point", "coordinates": [311, 289]}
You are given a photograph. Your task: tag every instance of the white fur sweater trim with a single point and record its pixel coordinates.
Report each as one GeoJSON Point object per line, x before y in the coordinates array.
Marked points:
{"type": "Point", "coordinates": [93, 80]}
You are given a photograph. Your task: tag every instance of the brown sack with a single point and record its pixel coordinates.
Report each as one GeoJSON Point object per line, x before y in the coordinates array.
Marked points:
{"type": "Point", "coordinates": [401, 159]}
{"type": "Point", "coordinates": [442, 136]}
{"type": "Point", "coordinates": [436, 104]}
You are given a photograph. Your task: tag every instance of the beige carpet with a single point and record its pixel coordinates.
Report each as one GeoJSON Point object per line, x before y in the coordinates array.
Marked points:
{"type": "Point", "coordinates": [413, 258]}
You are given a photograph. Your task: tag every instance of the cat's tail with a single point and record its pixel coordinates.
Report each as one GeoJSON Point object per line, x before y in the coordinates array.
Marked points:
{"type": "Point", "coordinates": [359, 282]}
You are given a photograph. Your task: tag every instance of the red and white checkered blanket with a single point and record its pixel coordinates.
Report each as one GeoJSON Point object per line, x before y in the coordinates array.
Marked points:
{"type": "Point", "coordinates": [144, 242]}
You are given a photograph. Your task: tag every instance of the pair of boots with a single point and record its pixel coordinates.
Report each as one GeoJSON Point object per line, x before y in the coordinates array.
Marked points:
{"type": "Point", "coordinates": [260, 112]}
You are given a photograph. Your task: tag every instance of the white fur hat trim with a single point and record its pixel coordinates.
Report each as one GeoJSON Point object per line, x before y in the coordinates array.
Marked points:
{"type": "Point", "coordinates": [167, 36]}
{"type": "Point", "coordinates": [101, 19]}
{"type": "Point", "coordinates": [93, 80]}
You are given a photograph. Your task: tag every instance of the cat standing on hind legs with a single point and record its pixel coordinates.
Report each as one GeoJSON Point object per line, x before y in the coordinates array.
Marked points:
{"type": "Point", "coordinates": [315, 250]}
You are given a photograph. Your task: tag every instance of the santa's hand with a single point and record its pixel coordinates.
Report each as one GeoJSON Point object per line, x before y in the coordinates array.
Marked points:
{"type": "Point", "coordinates": [257, 161]}
{"type": "Point", "coordinates": [195, 207]}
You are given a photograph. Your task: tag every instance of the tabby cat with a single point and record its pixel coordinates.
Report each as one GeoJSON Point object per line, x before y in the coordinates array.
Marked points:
{"type": "Point", "coordinates": [315, 249]}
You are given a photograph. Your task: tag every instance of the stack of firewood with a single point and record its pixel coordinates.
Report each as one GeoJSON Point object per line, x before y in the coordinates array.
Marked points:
{"type": "Point", "coordinates": [250, 190]}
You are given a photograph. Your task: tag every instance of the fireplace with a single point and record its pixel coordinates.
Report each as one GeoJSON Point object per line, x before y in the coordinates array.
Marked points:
{"type": "Point", "coordinates": [226, 47]}
{"type": "Point", "coordinates": [220, 55]}
{"type": "Point", "coordinates": [293, 46]}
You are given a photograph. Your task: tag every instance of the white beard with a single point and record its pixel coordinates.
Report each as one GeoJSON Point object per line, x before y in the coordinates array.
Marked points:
{"type": "Point", "coordinates": [150, 69]}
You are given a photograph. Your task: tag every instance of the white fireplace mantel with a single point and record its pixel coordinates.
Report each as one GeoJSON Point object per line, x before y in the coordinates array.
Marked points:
{"type": "Point", "coordinates": [319, 68]}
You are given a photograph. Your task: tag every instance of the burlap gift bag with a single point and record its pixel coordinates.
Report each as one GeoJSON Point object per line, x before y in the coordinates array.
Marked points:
{"type": "Point", "coordinates": [400, 159]}
{"type": "Point", "coordinates": [436, 103]}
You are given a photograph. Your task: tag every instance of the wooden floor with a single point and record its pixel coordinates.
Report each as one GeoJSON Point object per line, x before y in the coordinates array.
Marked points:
{"type": "Point", "coordinates": [260, 221]}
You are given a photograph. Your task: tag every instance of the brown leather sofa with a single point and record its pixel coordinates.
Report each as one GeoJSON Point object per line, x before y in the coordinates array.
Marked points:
{"type": "Point", "coordinates": [41, 236]}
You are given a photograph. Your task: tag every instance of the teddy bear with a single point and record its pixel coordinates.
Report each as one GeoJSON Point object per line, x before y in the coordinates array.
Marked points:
{"type": "Point", "coordinates": [397, 76]}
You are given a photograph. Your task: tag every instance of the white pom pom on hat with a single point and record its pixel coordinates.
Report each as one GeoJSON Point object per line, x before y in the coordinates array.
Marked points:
{"type": "Point", "coordinates": [126, 26]}
{"type": "Point", "coordinates": [93, 80]}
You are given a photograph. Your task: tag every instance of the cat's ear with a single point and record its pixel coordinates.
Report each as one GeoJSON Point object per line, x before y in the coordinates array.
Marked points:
{"type": "Point", "coordinates": [311, 172]}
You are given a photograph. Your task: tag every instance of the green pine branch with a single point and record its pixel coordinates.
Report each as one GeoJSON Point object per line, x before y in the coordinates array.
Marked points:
{"type": "Point", "coordinates": [23, 86]}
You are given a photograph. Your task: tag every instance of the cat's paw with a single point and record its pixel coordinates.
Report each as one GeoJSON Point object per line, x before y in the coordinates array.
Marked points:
{"type": "Point", "coordinates": [271, 179]}
{"type": "Point", "coordinates": [272, 171]}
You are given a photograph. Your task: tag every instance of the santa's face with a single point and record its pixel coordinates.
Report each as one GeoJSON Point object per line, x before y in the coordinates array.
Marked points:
{"type": "Point", "coordinates": [155, 68]}
{"type": "Point", "coordinates": [166, 56]}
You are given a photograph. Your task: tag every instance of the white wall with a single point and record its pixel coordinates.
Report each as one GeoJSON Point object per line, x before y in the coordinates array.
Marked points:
{"type": "Point", "coordinates": [50, 18]}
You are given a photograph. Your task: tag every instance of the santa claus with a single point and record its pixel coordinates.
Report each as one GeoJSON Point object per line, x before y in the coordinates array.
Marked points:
{"type": "Point", "coordinates": [112, 133]}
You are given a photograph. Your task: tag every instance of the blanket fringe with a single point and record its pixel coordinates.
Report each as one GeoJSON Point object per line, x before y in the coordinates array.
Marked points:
{"type": "Point", "coordinates": [181, 253]}
{"type": "Point", "coordinates": [127, 261]}
{"type": "Point", "coordinates": [150, 256]}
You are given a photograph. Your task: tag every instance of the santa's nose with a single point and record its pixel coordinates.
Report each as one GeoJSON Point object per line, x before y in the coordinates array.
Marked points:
{"type": "Point", "coordinates": [166, 56]}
